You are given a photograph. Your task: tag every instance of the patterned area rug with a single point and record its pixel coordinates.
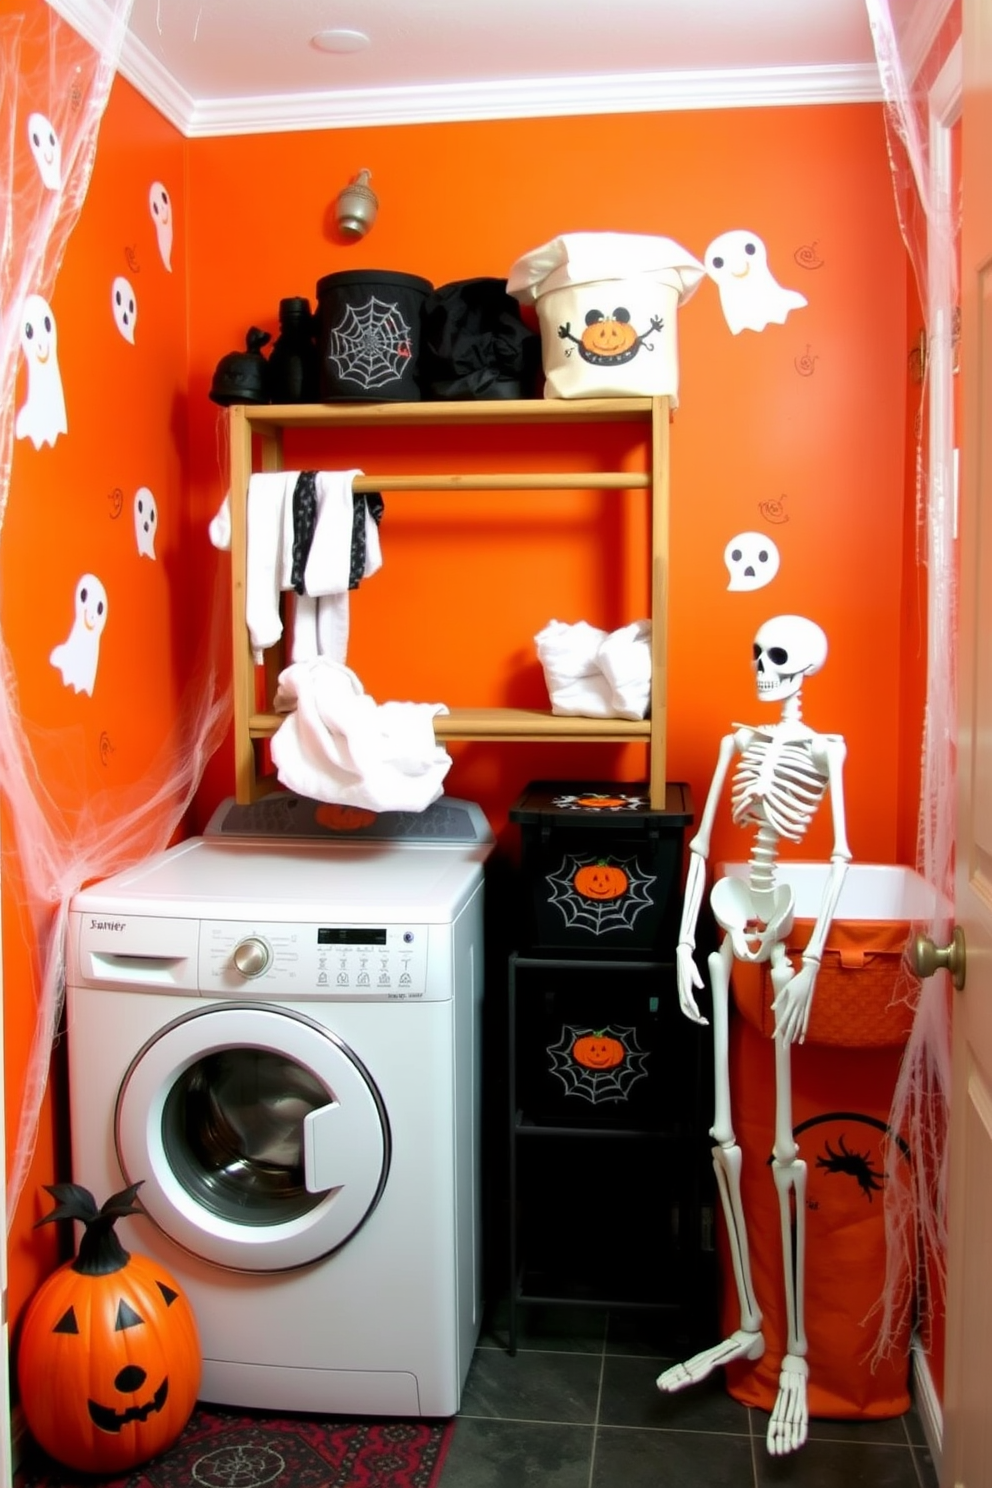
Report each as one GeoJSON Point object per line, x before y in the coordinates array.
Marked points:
{"type": "Point", "coordinates": [225, 1448]}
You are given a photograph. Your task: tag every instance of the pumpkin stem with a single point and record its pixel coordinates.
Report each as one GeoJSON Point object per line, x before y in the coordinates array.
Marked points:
{"type": "Point", "coordinates": [100, 1250]}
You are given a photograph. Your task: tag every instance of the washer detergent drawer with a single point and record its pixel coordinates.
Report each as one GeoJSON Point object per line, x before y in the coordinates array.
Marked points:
{"type": "Point", "coordinates": [260, 1137]}
{"type": "Point", "coordinates": [150, 952]}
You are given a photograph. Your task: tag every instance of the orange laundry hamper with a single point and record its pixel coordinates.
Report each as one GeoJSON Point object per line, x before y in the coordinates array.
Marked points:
{"type": "Point", "coordinates": [843, 1081]}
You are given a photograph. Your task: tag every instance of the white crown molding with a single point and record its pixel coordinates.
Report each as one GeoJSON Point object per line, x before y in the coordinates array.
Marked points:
{"type": "Point", "coordinates": [535, 98]}
{"type": "Point", "coordinates": [654, 92]}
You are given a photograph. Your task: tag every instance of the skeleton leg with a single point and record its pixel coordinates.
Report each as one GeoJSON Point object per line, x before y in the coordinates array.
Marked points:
{"type": "Point", "coordinates": [789, 1421]}
{"type": "Point", "coordinates": [747, 1342]}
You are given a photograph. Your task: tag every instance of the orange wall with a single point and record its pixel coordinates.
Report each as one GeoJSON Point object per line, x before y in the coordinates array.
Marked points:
{"type": "Point", "coordinates": [804, 422]}
{"type": "Point", "coordinates": [70, 512]}
{"type": "Point", "coordinates": [797, 432]}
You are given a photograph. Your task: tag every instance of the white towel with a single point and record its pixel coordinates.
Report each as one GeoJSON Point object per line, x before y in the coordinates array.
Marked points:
{"type": "Point", "coordinates": [269, 496]}
{"type": "Point", "coordinates": [594, 674]}
{"type": "Point", "coordinates": [338, 745]}
{"type": "Point", "coordinates": [568, 655]}
{"type": "Point", "coordinates": [625, 661]}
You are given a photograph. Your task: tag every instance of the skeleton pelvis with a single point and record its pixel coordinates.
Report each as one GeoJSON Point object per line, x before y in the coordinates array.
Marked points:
{"type": "Point", "coordinates": [755, 919]}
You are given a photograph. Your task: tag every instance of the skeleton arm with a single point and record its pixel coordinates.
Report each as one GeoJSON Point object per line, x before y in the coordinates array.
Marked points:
{"type": "Point", "coordinates": [688, 976]}
{"type": "Point", "coordinates": [793, 1003]}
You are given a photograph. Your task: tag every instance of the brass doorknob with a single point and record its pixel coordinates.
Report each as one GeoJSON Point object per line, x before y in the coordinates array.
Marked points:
{"type": "Point", "coordinates": [928, 958]}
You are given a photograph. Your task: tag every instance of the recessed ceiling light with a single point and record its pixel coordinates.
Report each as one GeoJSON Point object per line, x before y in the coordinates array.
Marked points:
{"type": "Point", "coordinates": [340, 40]}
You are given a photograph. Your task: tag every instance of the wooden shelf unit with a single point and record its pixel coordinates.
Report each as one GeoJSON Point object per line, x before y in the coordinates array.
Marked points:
{"type": "Point", "coordinates": [256, 443]}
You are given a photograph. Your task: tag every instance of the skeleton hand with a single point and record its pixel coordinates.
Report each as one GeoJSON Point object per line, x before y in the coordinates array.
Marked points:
{"type": "Point", "coordinates": [793, 1003]}
{"type": "Point", "coordinates": [687, 975]}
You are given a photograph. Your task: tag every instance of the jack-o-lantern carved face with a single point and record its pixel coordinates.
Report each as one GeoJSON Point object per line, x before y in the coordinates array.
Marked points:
{"type": "Point", "coordinates": [109, 1361]}
{"type": "Point", "coordinates": [344, 818]}
{"type": "Point", "coordinates": [601, 880]}
{"type": "Point", "coordinates": [608, 340]}
{"type": "Point", "coordinates": [597, 1051]}
{"type": "Point", "coordinates": [609, 336]}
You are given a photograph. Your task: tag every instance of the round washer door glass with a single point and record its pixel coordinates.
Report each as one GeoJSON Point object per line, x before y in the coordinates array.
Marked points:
{"type": "Point", "coordinates": [259, 1138]}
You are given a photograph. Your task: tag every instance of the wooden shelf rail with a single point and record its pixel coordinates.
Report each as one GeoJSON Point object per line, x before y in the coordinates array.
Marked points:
{"type": "Point", "coordinates": [265, 425]}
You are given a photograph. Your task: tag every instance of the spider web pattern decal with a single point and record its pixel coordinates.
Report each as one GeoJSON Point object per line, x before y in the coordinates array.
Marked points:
{"type": "Point", "coordinates": [371, 344]}
{"type": "Point", "coordinates": [598, 1085]}
{"type": "Point", "coordinates": [599, 915]}
{"type": "Point", "coordinates": [596, 801]}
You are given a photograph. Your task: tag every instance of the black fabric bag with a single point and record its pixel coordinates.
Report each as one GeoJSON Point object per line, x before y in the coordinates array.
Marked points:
{"type": "Point", "coordinates": [475, 344]}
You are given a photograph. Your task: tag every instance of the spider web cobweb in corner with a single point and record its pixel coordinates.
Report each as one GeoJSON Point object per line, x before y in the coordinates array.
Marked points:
{"type": "Point", "coordinates": [371, 345]}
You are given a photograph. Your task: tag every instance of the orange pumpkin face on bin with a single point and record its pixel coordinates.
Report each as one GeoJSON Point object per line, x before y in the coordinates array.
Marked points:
{"type": "Point", "coordinates": [598, 1051]}
{"type": "Point", "coordinates": [609, 335]}
{"type": "Point", "coordinates": [109, 1358]}
{"type": "Point", "coordinates": [601, 880]}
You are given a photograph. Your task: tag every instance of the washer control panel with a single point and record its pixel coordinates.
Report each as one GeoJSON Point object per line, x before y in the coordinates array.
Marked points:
{"type": "Point", "coordinates": [385, 963]}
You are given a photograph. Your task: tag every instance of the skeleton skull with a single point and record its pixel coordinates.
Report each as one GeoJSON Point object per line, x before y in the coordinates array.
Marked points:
{"type": "Point", "coordinates": [787, 649]}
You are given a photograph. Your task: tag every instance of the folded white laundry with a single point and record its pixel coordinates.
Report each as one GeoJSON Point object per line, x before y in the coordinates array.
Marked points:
{"type": "Point", "coordinates": [625, 662]}
{"type": "Point", "coordinates": [593, 673]}
{"type": "Point", "coordinates": [336, 744]}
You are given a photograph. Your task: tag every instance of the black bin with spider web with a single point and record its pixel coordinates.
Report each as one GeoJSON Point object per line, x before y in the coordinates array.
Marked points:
{"type": "Point", "coordinates": [370, 335]}
{"type": "Point", "coordinates": [600, 870]}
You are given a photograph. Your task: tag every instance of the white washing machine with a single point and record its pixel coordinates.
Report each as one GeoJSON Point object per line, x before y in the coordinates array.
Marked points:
{"type": "Point", "coordinates": [279, 1038]}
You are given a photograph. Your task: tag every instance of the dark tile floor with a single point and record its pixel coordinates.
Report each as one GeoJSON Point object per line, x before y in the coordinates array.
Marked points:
{"type": "Point", "coordinates": [577, 1407]}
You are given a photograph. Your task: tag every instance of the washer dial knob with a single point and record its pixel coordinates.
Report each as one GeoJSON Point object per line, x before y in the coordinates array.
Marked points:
{"type": "Point", "coordinates": [252, 956]}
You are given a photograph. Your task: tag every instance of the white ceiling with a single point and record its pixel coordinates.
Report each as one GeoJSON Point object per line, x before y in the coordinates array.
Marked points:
{"type": "Point", "coordinates": [237, 66]}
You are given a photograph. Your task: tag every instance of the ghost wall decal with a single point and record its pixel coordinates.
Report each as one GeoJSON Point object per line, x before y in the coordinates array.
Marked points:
{"type": "Point", "coordinates": [145, 522]}
{"type": "Point", "coordinates": [751, 298]}
{"type": "Point", "coordinates": [125, 307]}
{"type": "Point", "coordinates": [47, 151]}
{"type": "Point", "coordinates": [160, 206]}
{"type": "Point", "coordinates": [752, 560]}
{"type": "Point", "coordinates": [43, 418]}
{"type": "Point", "coordinates": [78, 656]}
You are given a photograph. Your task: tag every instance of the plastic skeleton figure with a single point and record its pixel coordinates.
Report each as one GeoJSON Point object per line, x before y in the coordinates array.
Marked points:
{"type": "Point", "coordinates": [781, 773]}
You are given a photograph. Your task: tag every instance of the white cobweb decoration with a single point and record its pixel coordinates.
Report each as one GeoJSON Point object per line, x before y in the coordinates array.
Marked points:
{"type": "Point", "coordinates": [371, 344]}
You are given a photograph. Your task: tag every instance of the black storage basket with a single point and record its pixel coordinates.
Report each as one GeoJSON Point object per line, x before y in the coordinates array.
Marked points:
{"type": "Point", "coordinates": [601, 871]}
{"type": "Point", "coordinates": [476, 345]}
{"type": "Point", "coordinates": [603, 1047]}
{"type": "Point", "coordinates": [370, 335]}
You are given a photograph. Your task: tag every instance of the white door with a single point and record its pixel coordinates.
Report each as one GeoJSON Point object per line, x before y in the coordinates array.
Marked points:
{"type": "Point", "coordinates": [259, 1138]}
{"type": "Point", "coordinates": [967, 1448]}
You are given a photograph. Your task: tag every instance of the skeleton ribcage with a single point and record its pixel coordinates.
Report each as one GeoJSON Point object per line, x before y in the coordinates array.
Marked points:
{"type": "Point", "coordinates": [779, 785]}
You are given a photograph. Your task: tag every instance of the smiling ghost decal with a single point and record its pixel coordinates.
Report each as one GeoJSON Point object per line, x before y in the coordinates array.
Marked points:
{"type": "Point", "coordinates": [47, 151]}
{"type": "Point", "coordinates": [752, 560]}
{"type": "Point", "coordinates": [145, 522]}
{"type": "Point", "coordinates": [43, 418]}
{"type": "Point", "coordinates": [160, 206]}
{"type": "Point", "coordinates": [78, 656]}
{"type": "Point", "coordinates": [750, 296]}
{"type": "Point", "coordinates": [125, 307]}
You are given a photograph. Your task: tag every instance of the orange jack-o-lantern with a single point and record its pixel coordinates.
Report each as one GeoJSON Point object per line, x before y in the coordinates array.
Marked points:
{"type": "Point", "coordinates": [597, 1051]}
{"type": "Point", "coordinates": [601, 880]}
{"type": "Point", "coordinates": [343, 818]}
{"type": "Point", "coordinates": [609, 336]}
{"type": "Point", "coordinates": [109, 1359]}
{"type": "Point", "coordinates": [601, 803]}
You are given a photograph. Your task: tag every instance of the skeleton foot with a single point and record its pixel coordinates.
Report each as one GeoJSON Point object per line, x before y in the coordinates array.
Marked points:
{"type": "Point", "coordinates": [740, 1345]}
{"type": "Point", "coordinates": [790, 1417]}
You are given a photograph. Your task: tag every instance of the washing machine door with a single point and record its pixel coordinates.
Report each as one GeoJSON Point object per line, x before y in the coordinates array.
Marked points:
{"type": "Point", "coordinates": [259, 1137]}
